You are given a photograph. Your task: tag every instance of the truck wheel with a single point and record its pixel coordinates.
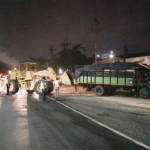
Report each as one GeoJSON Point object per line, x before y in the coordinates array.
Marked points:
{"type": "Point", "coordinates": [37, 87]}
{"type": "Point", "coordinates": [50, 87]}
{"type": "Point", "coordinates": [99, 90]}
{"type": "Point", "coordinates": [14, 87]}
{"type": "Point", "coordinates": [145, 93]}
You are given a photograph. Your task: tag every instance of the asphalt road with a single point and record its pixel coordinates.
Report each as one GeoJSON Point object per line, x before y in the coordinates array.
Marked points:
{"type": "Point", "coordinates": [73, 122]}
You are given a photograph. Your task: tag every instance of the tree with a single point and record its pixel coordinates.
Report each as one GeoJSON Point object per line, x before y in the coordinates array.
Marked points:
{"type": "Point", "coordinates": [67, 59]}
{"type": "Point", "coordinates": [78, 47]}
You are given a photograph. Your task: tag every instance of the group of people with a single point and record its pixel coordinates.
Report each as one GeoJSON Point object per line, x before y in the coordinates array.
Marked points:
{"type": "Point", "coordinates": [56, 84]}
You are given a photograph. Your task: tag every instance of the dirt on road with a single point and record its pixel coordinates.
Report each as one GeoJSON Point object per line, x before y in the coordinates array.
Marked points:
{"type": "Point", "coordinates": [72, 90]}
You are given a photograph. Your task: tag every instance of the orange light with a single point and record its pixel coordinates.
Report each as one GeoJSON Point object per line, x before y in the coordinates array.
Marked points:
{"type": "Point", "coordinates": [9, 72]}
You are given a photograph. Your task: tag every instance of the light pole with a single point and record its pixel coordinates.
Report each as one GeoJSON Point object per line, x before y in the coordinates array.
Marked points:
{"type": "Point", "coordinates": [125, 49]}
{"type": "Point", "coordinates": [96, 30]}
{"type": "Point", "coordinates": [111, 54]}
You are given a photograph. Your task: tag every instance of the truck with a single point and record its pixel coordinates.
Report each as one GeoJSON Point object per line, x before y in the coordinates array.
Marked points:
{"type": "Point", "coordinates": [130, 77]}
{"type": "Point", "coordinates": [28, 78]}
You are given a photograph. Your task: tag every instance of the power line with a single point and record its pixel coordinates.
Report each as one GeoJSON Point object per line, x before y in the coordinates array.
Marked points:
{"type": "Point", "coordinates": [65, 44]}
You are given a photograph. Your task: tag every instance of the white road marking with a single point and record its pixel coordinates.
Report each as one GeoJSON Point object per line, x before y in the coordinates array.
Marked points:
{"type": "Point", "coordinates": [52, 98]}
{"type": "Point", "coordinates": [105, 126]}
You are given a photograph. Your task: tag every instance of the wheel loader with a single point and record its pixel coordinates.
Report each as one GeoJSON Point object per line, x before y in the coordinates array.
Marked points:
{"type": "Point", "coordinates": [28, 78]}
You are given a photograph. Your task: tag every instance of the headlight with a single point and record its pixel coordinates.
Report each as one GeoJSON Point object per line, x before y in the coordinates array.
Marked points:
{"type": "Point", "coordinates": [9, 72]}
{"type": "Point", "coordinates": [131, 82]}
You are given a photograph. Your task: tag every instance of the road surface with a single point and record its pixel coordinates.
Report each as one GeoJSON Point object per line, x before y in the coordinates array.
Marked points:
{"type": "Point", "coordinates": [73, 122]}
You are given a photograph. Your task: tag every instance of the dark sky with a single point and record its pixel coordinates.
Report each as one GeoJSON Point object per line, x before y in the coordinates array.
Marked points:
{"type": "Point", "coordinates": [28, 28]}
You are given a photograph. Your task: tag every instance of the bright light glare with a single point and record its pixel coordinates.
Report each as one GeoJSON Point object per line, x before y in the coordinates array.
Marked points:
{"type": "Point", "coordinates": [111, 56]}
{"type": "Point", "coordinates": [98, 55]}
{"type": "Point", "coordinates": [60, 71]}
{"type": "Point", "coordinates": [35, 95]}
{"type": "Point", "coordinates": [9, 71]}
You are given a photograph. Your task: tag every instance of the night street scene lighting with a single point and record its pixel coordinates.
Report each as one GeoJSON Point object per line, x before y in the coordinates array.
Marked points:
{"type": "Point", "coordinates": [111, 55]}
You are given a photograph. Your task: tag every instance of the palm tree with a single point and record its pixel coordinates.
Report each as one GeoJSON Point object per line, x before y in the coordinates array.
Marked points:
{"type": "Point", "coordinates": [79, 47]}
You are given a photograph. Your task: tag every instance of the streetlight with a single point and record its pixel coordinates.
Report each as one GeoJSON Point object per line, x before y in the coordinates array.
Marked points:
{"type": "Point", "coordinates": [111, 55]}
{"type": "Point", "coordinates": [98, 55]}
{"type": "Point", "coordinates": [111, 52]}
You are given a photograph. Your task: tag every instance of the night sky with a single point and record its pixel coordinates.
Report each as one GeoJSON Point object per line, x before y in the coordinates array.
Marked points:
{"type": "Point", "coordinates": [28, 28]}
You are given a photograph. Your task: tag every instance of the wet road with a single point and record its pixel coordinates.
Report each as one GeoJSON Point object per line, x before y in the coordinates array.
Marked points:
{"type": "Point", "coordinates": [71, 123]}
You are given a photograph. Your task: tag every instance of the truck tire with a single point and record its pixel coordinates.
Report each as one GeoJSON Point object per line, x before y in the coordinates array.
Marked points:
{"type": "Point", "coordinates": [99, 90]}
{"type": "Point", "coordinates": [51, 86]}
{"type": "Point", "coordinates": [145, 93]}
{"type": "Point", "coordinates": [14, 87]}
{"type": "Point", "coordinates": [38, 90]}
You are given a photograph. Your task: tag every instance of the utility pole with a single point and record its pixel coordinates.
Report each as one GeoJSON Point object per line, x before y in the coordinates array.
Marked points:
{"type": "Point", "coordinates": [125, 49]}
{"type": "Point", "coordinates": [96, 31]}
{"type": "Point", "coordinates": [65, 44]}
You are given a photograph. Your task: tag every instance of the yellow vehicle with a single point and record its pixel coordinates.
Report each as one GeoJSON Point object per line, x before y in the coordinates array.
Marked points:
{"type": "Point", "coordinates": [22, 77]}
{"type": "Point", "coordinates": [26, 77]}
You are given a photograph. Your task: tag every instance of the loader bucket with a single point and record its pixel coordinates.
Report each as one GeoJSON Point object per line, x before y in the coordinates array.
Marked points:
{"type": "Point", "coordinates": [66, 78]}
{"type": "Point", "coordinates": [49, 72]}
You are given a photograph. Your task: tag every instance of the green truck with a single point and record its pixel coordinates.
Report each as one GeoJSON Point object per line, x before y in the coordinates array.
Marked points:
{"type": "Point", "coordinates": [120, 76]}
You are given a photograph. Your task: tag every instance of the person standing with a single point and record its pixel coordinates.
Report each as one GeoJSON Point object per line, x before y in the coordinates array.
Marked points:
{"type": "Point", "coordinates": [0, 82]}
{"type": "Point", "coordinates": [56, 87]}
{"type": "Point", "coordinates": [43, 87]}
{"type": "Point", "coordinates": [8, 83]}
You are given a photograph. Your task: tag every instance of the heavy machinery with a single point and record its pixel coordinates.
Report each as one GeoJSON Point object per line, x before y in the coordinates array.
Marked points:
{"type": "Point", "coordinates": [26, 77]}
{"type": "Point", "coordinates": [105, 78]}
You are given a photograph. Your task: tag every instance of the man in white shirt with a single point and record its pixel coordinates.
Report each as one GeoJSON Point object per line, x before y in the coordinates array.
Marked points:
{"type": "Point", "coordinates": [56, 87]}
